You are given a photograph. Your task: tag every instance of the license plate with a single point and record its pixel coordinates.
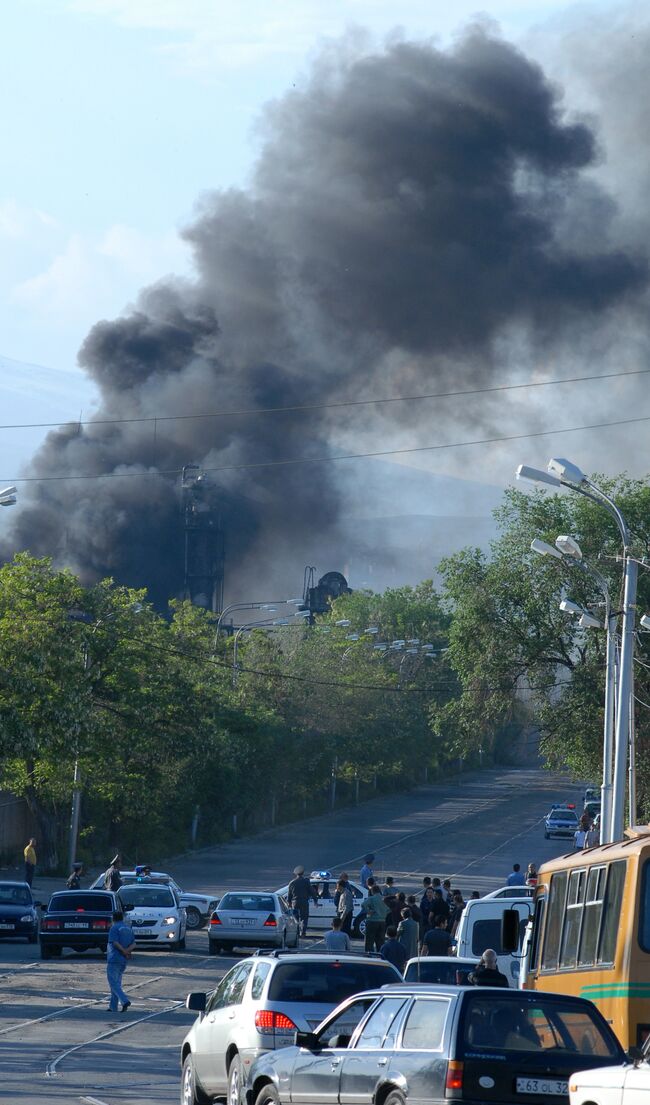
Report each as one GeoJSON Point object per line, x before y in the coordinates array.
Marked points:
{"type": "Point", "coordinates": [74, 925]}
{"type": "Point", "coordinates": [556, 1086]}
{"type": "Point", "coordinates": [7, 926]}
{"type": "Point", "coordinates": [243, 922]}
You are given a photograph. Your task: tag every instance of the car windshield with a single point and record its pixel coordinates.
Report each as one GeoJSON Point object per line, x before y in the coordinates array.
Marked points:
{"type": "Point", "coordinates": [534, 1025]}
{"type": "Point", "coordinates": [15, 895]}
{"type": "Point", "coordinates": [90, 901]}
{"type": "Point", "coordinates": [249, 903]}
{"type": "Point", "coordinates": [449, 972]}
{"type": "Point", "coordinates": [327, 982]}
{"type": "Point", "coordinates": [150, 897]}
{"type": "Point", "coordinates": [563, 815]}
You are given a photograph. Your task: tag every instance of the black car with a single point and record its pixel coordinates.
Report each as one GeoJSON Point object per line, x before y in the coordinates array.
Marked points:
{"type": "Point", "coordinates": [435, 1043]}
{"type": "Point", "coordinates": [18, 915]}
{"type": "Point", "coordinates": [77, 919]}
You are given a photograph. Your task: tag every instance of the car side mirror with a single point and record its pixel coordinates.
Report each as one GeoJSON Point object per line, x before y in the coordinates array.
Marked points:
{"type": "Point", "coordinates": [510, 930]}
{"type": "Point", "coordinates": [635, 1055]}
{"type": "Point", "coordinates": [308, 1040]}
{"type": "Point", "coordinates": [196, 1001]}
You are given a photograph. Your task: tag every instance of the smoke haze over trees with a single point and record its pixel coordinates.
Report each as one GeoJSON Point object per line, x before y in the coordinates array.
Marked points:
{"type": "Point", "coordinates": [411, 218]}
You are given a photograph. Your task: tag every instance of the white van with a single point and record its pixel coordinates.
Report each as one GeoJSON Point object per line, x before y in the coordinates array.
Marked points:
{"type": "Point", "coordinates": [480, 928]}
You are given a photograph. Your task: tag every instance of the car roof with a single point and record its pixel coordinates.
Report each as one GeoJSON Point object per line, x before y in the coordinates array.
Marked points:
{"type": "Point", "coordinates": [321, 957]}
{"type": "Point", "coordinates": [146, 886]}
{"type": "Point", "coordinates": [460, 959]}
{"type": "Point", "coordinates": [14, 882]}
{"type": "Point", "coordinates": [140, 875]}
{"type": "Point", "coordinates": [560, 811]}
{"type": "Point", "coordinates": [82, 891]}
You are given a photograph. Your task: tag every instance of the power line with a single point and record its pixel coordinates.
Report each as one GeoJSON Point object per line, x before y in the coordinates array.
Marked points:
{"type": "Point", "coordinates": [289, 462]}
{"type": "Point", "coordinates": [299, 408]}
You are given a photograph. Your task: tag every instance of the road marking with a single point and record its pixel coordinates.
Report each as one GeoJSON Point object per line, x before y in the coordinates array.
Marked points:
{"type": "Point", "coordinates": [71, 1008]}
{"type": "Point", "coordinates": [93, 1101]}
{"type": "Point", "coordinates": [50, 1070]}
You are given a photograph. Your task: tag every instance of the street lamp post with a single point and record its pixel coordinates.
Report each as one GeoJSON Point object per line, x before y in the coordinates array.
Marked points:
{"type": "Point", "coordinates": [257, 605]}
{"type": "Point", "coordinates": [277, 623]}
{"type": "Point", "coordinates": [562, 473]}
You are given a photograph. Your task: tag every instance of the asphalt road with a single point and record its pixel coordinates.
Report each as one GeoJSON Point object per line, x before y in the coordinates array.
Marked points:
{"type": "Point", "coordinates": [59, 1043]}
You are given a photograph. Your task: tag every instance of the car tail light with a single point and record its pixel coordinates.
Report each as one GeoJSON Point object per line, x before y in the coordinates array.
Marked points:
{"type": "Point", "coordinates": [215, 919]}
{"type": "Point", "coordinates": [267, 1020]}
{"type": "Point", "coordinates": [51, 924]}
{"type": "Point", "coordinates": [454, 1080]}
{"type": "Point", "coordinates": [270, 922]}
{"type": "Point", "coordinates": [99, 925]}
{"type": "Point", "coordinates": [80, 909]}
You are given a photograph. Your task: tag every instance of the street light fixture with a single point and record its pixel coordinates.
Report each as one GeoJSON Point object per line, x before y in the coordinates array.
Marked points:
{"type": "Point", "coordinates": [544, 549]}
{"type": "Point", "coordinates": [568, 607]}
{"type": "Point", "coordinates": [568, 546]}
{"type": "Point", "coordinates": [588, 621]}
{"type": "Point", "coordinates": [645, 621]}
{"type": "Point", "coordinates": [8, 496]}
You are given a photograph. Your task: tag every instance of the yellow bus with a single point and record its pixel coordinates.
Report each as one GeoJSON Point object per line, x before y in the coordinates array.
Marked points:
{"type": "Point", "coordinates": [590, 932]}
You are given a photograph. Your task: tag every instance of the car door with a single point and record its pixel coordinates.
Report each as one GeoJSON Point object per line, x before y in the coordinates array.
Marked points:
{"type": "Point", "coordinates": [636, 1090]}
{"type": "Point", "coordinates": [220, 1025]}
{"type": "Point", "coordinates": [366, 1063]}
{"type": "Point", "coordinates": [206, 1028]}
{"type": "Point", "coordinates": [316, 1073]}
{"type": "Point", "coordinates": [321, 911]}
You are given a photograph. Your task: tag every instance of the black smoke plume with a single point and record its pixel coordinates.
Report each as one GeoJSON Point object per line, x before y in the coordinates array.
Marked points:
{"type": "Point", "coordinates": [408, 208]}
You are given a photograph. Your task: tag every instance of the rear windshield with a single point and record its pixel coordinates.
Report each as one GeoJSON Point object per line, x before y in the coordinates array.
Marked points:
{"type": "Point", "coordinates": [15, 895]}
{"type": "Point", "coordinates": [327, 983]}
{"type": "Point", "coordinates": [148, 896]}
{"type": "Point", "coordinates": [90, 901]}
{"type": "Point", "coordinates": [253, 903]}
{"type": "Point", "coordinates": [534, 1025]}
{"type": "Point", "coordinates": [449, 974]}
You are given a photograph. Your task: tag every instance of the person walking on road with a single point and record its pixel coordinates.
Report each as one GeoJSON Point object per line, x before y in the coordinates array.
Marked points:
{"type": "Point", "coordinates": [336, 940]}
{"type": "Point", "coordinates": [516, 876]}
{"type": "Point", "coordinates": [392, 950]}
{"type": "Point", "coordinates": [118, 953]}
{"type": "Point", "coordinates": [437, 941]}
{"type": "Point", "coordinates": [74, 878]}
{"type": "Point", "coordinates": [345, 906]}
{"type": "Point", "coordinates": [299, 895]}
{"type": "Point", "coordinates": [366, 870]}
{"type": "Point", "coordinates": [487, 973]}
{"type": "Point", "coordinates": [376, 913]}
{"type": "Point", "coordinates": [30, 860]}
{"type": "Point", "coordinates": [408, 932]}
{"type": "Point", "coordinates": [112, 878]}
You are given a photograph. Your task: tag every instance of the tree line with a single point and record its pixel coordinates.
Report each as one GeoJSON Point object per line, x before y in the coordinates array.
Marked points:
{"type": "Point", "coordinates": [168, 732]}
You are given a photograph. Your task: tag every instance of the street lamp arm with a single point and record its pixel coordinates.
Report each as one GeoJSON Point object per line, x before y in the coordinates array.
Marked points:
{"type": "Point", "coordinates": [597, 495]}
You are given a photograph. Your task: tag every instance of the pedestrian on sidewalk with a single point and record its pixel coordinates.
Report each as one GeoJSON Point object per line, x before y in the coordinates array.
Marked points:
{"type": "Point", "coordinates": [336, 940]}
{"type": "Point", "coordinates": [118, 953]}
{"type": "Point", "coordinates": [376, 913]}
{"type": "Point", "coordinates": [30, 860]}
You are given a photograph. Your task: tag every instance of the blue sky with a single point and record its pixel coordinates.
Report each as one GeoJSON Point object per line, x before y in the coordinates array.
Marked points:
{"type": "Point", "coordinates": [115, 116]}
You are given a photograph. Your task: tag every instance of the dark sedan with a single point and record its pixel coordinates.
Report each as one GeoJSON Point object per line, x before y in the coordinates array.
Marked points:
{"type": "Point", "coordinates": [18, 915]}
{"type": "Point", "coordinates": [77, 919]}
{"type": "Point", "coordinates": [430, 1044]}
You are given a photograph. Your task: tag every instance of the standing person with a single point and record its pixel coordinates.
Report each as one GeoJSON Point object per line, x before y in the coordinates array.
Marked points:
{"type": "Point", "coordinates": [487, 973]}
{"type": "Point", "coordinates": [392, 950]}
{"type": "Point", "coordinates": [426, 905]}
{"type": "Point", "coordinates": [446, 891]}
{"type": "Point", "coordinates": [299, 894]}
{"type": "Point", "coordinates": [416, 912]}
{"type": "Point", "coordinates": [345, 906]}
{"type": "Point", "coordinates": [531, 875]}
{"type": "Point", "coordinates": [457, 907]}
{"type": "Point", "coordinates": [366, 870]}
{"type": "Point", "coordinates": [112, 878]}
{"type": "Point", "coordinates": [388, 889]}
{"type": "Point", "coordinates": [475, 895]}
{"type": "Point", "coordinates": [376, 912]}
{"type": "Point", "coordinates": [515, 878]}
{"type": "Point", "coordinates": [439, 907]}
{"type": "Point", "coordinates": [336, 940]}
{"type": "Point", "coordinates": [30, 860]}
{"type": "Point", "coordinates": [437, 941]}
{"type": "Point", "coordinates": [74, 878]}
{"type": "Point", "coordinates": [408, 932]}
{"type": "Point", "coordinates": [118, 953]}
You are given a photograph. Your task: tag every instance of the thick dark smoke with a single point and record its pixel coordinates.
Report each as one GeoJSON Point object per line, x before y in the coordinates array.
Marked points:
{"type": "Point", "coordinates": [407, 209]}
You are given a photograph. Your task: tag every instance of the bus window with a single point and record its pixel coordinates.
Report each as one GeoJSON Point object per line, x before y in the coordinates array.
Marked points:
{"type": "Point", "coordinates": [644, 913]}
{"type": "Point", "coordinates": [592, 916]}
{"type": "Point", "coordinates": [611, 912]}
{"type": "Point", "coordinates": [554, 919]}
{"type": "Point", "coordinates": [573, 919]}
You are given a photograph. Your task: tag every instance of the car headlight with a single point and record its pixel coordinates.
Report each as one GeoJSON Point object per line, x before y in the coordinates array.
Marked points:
{"type": "Point", "coordinates": [27, 917]}
{"type": "Point", "coordinates": [169, 920]}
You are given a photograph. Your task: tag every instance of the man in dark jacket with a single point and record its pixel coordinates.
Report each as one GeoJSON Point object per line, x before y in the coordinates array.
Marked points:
{"type": "Point", "coordinates": [393, 950]}
{"type": "Point", "coordinates": [112, 878]}
{"type": "Point", "coordinates": [299, 894]}
{"type": "Point", "coordinates": [487, 973]}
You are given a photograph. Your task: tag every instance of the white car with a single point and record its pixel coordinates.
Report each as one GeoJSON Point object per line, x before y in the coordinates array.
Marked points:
{"type": "Point", "coordinates": [155, 914]}
{"type": "Point", "coordinates": [322, 911]}
{"type": "Point", "coordinates": [198, 907]}
{"type": "Point", "coordinates": [623, 1085]}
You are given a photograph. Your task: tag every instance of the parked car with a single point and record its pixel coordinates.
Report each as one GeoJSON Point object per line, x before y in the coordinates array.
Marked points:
{"type": "Point", "coordinates": [450, 970]}
{"type": "Point", "coordinates": [252, 918]}
{"type": "Point", "coordinates": [258, 1006]}
{"type": "Point", "coordinates": [560, 821]}
{"type": "Point", "coordinates": [77, 919]}
{"type": "Point", "coordinates": [154, 913]}
{"type": "Point", "coordinates": [18, 916]}
{"type": "Point", "coordinates": [619, 1085]}
{"type": "Point", "coordinates": [322, 912]}
{"type": "Point", "coordinates": [198, 907]}
{"type": "Point", "coordinates": [432, 1043]}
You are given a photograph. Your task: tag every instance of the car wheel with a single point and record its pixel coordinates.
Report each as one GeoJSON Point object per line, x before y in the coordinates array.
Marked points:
{"type": "Point", "coordinates": [268, 1095]}
{"type": "Point", "coordinates": [395, 1098]}
{"type": "Point", "coordinates": [213, 947]}
{"type": "Point", "coordinates": [194, 919]}
{"type": "Point", "coordinates": [191, 1092]}
{"type": "Point", "coordinates": [359, 928]}
{"type": "Point", "coordinates": [235, 1081]}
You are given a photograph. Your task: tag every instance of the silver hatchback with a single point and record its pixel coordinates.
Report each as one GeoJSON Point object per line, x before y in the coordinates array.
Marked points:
{"type": "Point", "coordinates": [258, 1006]}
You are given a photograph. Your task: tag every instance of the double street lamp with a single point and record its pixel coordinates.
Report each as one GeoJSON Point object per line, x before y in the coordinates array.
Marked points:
{"type": "Point", "coordinates": [562, 473]}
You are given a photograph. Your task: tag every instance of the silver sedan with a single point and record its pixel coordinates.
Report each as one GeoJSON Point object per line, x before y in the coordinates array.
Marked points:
{"type": "Point", "coordinates": [250, 918]}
